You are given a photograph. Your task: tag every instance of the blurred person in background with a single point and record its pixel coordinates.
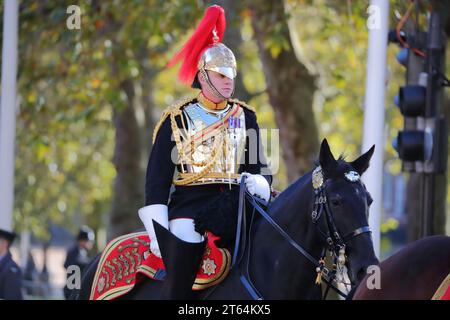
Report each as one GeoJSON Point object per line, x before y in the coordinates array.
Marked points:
{"type": "Point", "coordinates": [78, 254]}
{"type": "Point", "coordinates": [10, 273]}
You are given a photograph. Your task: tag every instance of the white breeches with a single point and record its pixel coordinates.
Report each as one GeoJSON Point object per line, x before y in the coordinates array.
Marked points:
{"type": "Point", "coordinates": [184, 229]}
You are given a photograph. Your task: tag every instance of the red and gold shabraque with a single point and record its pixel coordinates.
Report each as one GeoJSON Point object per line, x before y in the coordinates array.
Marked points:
{"type": "Point", "coordinates": [127, 260]}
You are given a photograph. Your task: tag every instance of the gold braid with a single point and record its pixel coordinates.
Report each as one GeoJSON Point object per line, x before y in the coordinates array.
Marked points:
{"type": "Point", "coordinates": [175, 110]}
{"type": "Point", "coordinates": [208, 164]}
{"type": "Point", "coordinates": [242, 104]}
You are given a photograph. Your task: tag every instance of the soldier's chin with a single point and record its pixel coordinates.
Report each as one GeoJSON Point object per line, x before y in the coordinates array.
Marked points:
{"type": "Point", "coordinates": [227, 93]}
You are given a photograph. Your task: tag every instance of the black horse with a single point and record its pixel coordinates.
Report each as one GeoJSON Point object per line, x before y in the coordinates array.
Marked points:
{"type": "Point", "coordinates": [325, 209]}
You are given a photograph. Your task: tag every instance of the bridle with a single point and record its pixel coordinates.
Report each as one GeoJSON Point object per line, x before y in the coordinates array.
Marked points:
{"type": "Point", "coordinates": [335, 242]}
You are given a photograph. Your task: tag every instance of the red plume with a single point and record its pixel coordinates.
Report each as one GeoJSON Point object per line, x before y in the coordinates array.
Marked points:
{"type": "Point", "coordinates": [202, 38]}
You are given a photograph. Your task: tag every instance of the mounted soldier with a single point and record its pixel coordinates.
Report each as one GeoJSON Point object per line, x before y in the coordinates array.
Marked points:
{"type": "Point", "coordinates": [211, 140]}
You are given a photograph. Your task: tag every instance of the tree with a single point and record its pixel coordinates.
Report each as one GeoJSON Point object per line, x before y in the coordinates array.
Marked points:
{"type": "Point", "coordinates": [74, 83]}
{"type": "Point", "coordinates": [290, 86]}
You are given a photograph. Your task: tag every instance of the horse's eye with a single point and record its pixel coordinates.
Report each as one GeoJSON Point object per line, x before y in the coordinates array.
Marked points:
{"type": "Point", "coordinates": [335, 201]}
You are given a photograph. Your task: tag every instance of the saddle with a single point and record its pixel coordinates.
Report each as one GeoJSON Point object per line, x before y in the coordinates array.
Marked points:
{"type": "Point", "coordinates": [127, 260]}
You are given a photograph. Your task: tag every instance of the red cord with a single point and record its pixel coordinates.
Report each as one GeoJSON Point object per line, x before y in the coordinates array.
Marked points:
{"type": "Point", "coordinates": [399, 27]}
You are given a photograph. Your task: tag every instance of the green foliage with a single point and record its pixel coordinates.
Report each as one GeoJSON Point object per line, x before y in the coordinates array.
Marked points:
{"type": "Point", "coordinates": [69, 83]}
{"type": "Point", "coordinates": [333, 44]}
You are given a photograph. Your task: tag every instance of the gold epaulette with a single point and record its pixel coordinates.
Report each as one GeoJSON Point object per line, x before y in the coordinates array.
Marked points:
{"type": "Point", "coordinates": [242, 104]}
{"type": "Point", "coordinates": [174, 109]}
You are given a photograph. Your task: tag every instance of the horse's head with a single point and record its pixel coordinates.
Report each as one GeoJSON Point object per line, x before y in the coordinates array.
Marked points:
{"type": "Point", "coordinates": [341, 210]}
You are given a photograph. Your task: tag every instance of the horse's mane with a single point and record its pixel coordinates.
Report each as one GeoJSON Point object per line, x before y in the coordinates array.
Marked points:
{"type": "Point", "coordinates": [286, 195]}
{"type": "Point", "coordinates": [342, 167]}
{"type": "Point", "coordinates": [301, 184]}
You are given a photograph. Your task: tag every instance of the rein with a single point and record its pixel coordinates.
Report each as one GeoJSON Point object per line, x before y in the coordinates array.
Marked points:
{"type": "Point", "coordinates": [333, 239]}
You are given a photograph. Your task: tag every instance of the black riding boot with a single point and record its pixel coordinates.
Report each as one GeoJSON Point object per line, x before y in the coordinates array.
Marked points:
{"type": "Point", "coordinates": [182, 261]}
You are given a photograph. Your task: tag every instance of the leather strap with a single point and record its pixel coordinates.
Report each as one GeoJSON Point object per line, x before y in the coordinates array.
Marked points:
{"type": "Point", "coordinates": [241, 213]}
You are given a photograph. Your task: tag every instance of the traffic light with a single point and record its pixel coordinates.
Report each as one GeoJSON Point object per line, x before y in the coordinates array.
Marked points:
{"type": "Point", "coordinates": [412, 99]}
{"type": "Point", "coordinates": [421, 145]}
{"type": "Point", "coordinates": [415, 141]}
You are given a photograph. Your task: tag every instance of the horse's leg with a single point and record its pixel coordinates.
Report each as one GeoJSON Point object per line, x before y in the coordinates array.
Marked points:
{"type": "Point", "coordinates": [87, 280]}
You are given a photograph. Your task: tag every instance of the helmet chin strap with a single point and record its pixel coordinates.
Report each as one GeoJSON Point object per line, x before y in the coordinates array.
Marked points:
{"type": "Point", "coordinates": [214, 90]}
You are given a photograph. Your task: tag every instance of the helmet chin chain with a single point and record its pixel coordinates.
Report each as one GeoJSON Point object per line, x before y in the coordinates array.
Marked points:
{"type": "Point", "coordinates": [214, 91]}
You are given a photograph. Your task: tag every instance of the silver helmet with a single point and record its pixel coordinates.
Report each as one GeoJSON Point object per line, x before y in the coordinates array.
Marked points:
{"type": "Point", "coordinates": [219, 58]}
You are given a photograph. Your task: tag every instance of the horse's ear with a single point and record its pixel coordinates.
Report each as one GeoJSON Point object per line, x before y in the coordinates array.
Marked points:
{"type": "Point", "coordinates": [362, 163]}
{"type": "Point", "coordinates": [326, 158]}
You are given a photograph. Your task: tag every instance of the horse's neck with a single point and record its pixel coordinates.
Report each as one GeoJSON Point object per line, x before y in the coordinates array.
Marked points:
{"type": "Point", "coordinates": [289, 273]}
{"type": "Point", "coordinates": [293, 209]}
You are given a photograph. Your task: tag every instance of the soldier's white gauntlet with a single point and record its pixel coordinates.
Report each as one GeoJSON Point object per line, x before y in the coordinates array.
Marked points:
{"type": "Point", "coordinates": [159, 213]}
{"type": "Point", "coordinates": [257, 185]}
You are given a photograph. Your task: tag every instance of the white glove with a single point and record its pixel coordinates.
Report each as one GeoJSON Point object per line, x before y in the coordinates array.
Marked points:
{"type": "Point", "coordinates": [257, 185]}
{"type": "Point", "coordinates": [159, 213]}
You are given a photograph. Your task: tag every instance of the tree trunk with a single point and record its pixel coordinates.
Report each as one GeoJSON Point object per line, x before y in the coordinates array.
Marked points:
{"type": "Point", "coordinates": [128, 191]}
{"type": "Point", "coordinates": [150, 121]}
{"type": "Point", "coordinates": [290, 88]}
{"type": "Point", "coordinates": [233, 40]}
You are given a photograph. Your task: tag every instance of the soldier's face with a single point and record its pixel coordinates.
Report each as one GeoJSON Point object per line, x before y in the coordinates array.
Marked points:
{"type": "Point", "coordinates": [86, 244]}
{"type": "Point", "coordinates": [222, 83]}
{"type": "Point", "coordinates": [3, 246]}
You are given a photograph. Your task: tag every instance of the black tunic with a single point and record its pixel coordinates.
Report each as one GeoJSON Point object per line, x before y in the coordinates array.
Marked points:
{"type": "Point", "coordinates": [189, 201]}
{"type": "Point", "coordinates": [76, 256]}
{"type": "Point", "coordinates": [10, 279]}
